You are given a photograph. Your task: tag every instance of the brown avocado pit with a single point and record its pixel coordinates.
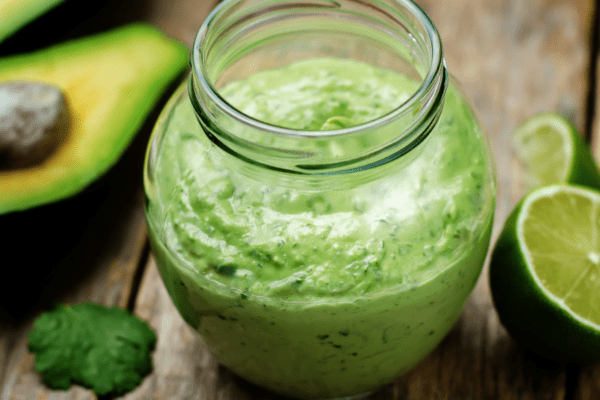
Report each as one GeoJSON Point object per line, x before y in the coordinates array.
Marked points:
{"type": "Point", "coordinates": [111, 81]}
{"type": "Point", "coordinates": [33, 122]}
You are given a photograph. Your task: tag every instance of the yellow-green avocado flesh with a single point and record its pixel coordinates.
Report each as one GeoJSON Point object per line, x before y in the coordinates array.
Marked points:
{"type": "Point", "coordinates": [111, 82]}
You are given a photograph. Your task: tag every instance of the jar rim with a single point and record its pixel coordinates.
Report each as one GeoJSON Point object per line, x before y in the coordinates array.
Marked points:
{"type": "Point", "coordinates": [435, 68]}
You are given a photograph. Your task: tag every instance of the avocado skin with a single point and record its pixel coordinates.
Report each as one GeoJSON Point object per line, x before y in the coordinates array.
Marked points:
{"type": "Point", "coordinates": [112, 81]}
{"type": "Point", "coordinates": [14, 14]}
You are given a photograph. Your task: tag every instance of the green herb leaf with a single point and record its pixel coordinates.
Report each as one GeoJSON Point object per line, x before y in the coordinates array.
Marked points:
{"type": "Point", "coordinates": [103, 349]}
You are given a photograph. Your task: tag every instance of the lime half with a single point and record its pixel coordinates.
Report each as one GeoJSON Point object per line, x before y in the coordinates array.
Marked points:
{"type": "Point", "coordinates": [545, 273]}
{"type": "Point", "coordinates": [551, 151]}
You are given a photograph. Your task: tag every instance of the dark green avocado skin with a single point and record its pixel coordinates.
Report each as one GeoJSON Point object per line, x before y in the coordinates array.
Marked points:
{"type": "Point", "coordinates": [14, 14]}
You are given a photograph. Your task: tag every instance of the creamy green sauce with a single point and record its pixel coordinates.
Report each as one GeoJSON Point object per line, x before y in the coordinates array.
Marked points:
{"type": "Point", "coordinates": [360, 284]}
{"type": "Point", "coordinates": [311, 95]}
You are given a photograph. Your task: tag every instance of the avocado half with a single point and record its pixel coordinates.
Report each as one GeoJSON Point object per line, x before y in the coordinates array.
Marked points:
{"type": "Point", "coordinates": [111, 82]}
{"type": "Point", "coordinates": [16, 13]}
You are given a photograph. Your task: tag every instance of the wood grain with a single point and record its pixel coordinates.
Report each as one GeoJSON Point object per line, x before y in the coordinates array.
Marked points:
{"type": "Point", "coordinates": [588, 384]}
{"type": "Point", "coordinates": [514, 58]}
{"type": "Point", "coordinates": [100, 260]}
{"type": "Point", "coordinates": [7, 333]}
{"type": "Point", "coordinates": [183, 367]}
{"type": "Point", "coordinates": [98, 263]}
{"type": "Point", "coordinates": [109, 282]}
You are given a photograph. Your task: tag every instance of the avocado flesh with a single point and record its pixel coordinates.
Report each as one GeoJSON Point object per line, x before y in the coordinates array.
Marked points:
{"type": "Point", "coordinates": [16, 13]}
{"type": "Point", "coordinates": [111, 81]}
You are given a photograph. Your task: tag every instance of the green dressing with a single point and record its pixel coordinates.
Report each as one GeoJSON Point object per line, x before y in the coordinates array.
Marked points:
{"type": "Point", "coordinates": [317, 292]}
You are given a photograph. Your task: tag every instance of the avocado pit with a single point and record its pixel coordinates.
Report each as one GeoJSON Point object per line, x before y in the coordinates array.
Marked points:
{"type": "Point", "coordinates": [33, 122]}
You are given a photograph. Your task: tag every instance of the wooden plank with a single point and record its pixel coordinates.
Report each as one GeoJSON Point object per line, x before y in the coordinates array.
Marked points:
{"type": "Point", "coordinates": [85, 248]}
{"type": "Point", "coordinates": [477, 359]}
{"type": "Point", "coordinates": [514, 58]}
{"type": "Point", "coordinates": [180, 19]}
{"type": "Point", "coordinates": [109, 239]}
{"type": "Point", "coordinates": [183, 367]}
{"type": "Point", "coordinates": [7, 333]}
{"type": "Point", "coordinates": [109, 281]}
{"type": "Point", "coordinates": [588, 384]}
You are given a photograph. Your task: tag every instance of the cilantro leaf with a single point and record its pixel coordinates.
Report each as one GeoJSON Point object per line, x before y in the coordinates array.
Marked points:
{"type": "Point", "coordinates": [103, 349]}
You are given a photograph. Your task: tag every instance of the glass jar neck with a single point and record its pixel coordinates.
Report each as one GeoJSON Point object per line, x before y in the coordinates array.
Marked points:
{"type": "Point", "coordinates": [242, 37]}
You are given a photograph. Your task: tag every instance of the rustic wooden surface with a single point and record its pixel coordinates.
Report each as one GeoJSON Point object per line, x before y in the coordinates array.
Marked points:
{"type": "Point", "coordinates": [513, 57]}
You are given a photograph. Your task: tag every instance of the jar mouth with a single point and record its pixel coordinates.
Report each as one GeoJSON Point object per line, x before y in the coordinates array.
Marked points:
{"type": "Point", "coordinates": [435, 69]}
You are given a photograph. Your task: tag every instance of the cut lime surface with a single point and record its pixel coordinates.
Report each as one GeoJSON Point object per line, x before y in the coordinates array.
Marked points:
{"type": "Point", "coordinates": [545, 273]}
{"type": "Point", "coordinates": [551, 151]}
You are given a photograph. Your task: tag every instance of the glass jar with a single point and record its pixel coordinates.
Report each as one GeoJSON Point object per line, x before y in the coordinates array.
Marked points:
{"type": "Point", "coordinates": [320, 195]}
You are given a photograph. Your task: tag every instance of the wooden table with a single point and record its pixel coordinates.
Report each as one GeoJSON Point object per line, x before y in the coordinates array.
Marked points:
{"type": "Point", "coordinates": [514, 58]}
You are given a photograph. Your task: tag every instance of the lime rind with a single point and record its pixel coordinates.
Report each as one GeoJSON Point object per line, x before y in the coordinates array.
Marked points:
{"type": "Point", "coordinates": [593, 255]}
{"type": "Point", "coordinates": [544, 146]}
